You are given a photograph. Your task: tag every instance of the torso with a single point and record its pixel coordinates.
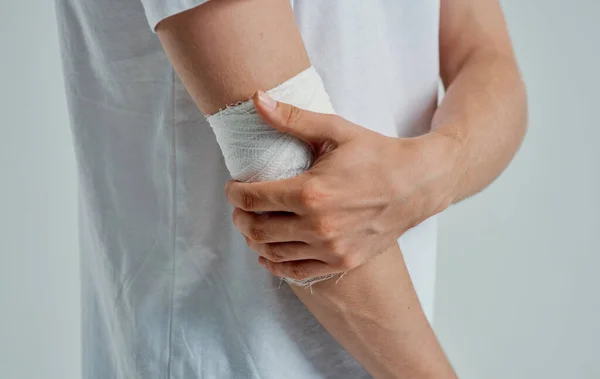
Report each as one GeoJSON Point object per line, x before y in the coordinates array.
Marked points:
{"type": "Point", "coordinates": [170, 289]}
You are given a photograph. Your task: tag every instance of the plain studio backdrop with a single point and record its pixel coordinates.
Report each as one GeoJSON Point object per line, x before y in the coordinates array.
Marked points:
{"type": "Point", "coordinates": [518, 289]}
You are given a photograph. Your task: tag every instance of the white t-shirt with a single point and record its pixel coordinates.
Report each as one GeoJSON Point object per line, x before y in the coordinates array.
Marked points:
{"type": "Point", "coordinates": [169, 288]}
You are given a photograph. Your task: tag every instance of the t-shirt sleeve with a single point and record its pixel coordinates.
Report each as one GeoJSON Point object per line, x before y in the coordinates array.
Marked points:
{"type": "Point", "coordinates": [158, 10]}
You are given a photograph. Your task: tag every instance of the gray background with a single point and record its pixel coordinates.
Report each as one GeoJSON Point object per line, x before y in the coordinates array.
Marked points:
{"type": "Point", "coordinates": [517, 290]}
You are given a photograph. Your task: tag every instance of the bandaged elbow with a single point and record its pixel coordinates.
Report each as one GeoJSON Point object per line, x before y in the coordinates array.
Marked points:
{"type": "Point", "coordinates": [256, 152]}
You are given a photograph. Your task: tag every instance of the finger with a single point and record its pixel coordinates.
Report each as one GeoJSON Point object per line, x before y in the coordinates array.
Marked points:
{"type": "Point", "coordinates": [298, 270]}
{"type": "Point", "coordinates": [268, 227]}
{"type": "Point", "coordinates": [284, 251]}
{"type": "Point", "coordinates": [309, 126]}
{"type": "Point", "coordinates": [271, 196]}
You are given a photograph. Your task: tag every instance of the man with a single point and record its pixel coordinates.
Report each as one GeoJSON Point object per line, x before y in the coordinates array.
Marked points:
{"type": "Point", "coordinates": [171, 284]}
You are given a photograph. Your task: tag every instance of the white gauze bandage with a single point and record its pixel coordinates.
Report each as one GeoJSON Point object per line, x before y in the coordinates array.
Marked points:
{"type": "Point", "coordinates": [255, 152]}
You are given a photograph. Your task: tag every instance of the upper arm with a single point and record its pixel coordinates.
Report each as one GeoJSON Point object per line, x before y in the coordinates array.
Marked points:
{"type": "Point", "coordinates": [225, 50]}
{"type": "Point", "coordinates": [469, 27]}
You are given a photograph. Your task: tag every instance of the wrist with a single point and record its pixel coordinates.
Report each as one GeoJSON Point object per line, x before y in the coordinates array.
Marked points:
{"type": "Point", "coordinates": [444, 151]}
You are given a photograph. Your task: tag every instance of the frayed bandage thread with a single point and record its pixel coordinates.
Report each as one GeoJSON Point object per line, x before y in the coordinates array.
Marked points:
{"type": "Point", "coordinates": [255, 152]}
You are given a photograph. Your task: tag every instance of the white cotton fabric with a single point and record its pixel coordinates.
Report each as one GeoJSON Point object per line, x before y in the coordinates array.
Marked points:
{"type": "Point", "coordinates": [255, 152]}
{"type": "Point", "coordinates": [169, 288]}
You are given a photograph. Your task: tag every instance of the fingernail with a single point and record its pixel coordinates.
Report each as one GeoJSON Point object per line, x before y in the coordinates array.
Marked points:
{"type": "Point", "coordinates": [267, 100]}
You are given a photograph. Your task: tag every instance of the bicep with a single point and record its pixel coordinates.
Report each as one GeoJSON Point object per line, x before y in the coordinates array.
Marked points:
{"type": "Point", "coordinates": [225, 50]}
{"type": "Point", "coordinates": [468, 27]}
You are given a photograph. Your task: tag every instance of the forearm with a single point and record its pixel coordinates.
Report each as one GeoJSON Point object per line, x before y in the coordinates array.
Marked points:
{"type": "Point", "coordinates": [485, 107]}
{"type": "Point", "coordinates": [224, 51]}
{"type": "Point", "coordinates": [484, 115]}
{"type": "Point", "coordinates": [374, 312]}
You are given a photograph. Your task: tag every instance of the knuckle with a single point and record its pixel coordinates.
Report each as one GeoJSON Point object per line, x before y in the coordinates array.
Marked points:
{"type": "Point", "coordinates": [257, 234]}
{"type": "Point", "coordinates": [272, 253]}
{"type": "Point", "coordinates": [349, 261]}
{"type": "Point", "coordinates": [271, 267]}
{"type": "Point", "coordinates": [335, 249]}
{"type": "Point", "coordinates": [324, 228]}
{"type": "Point", "coordinates": [298, 272]}
{"type": "Point", "coordinates": [248, 200]}
{"type": "Point", "coordinates": [293, 114]}
{"type": "Point", "coordinates": [310, 196]}
{"type": "Point", "coordinates": [277, 269]}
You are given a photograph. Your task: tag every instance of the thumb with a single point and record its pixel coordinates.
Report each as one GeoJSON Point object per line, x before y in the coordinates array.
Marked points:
{"type": "Point", "coordinates": [309, 126]}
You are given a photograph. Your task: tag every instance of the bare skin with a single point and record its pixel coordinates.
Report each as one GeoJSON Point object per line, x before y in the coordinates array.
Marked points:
{"type": "Point", "coordinates": [219, 49]}
{"type": "Point", "coordinates": [475, 133]}
{"type": "Point", "coordinates": [235, 48]}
